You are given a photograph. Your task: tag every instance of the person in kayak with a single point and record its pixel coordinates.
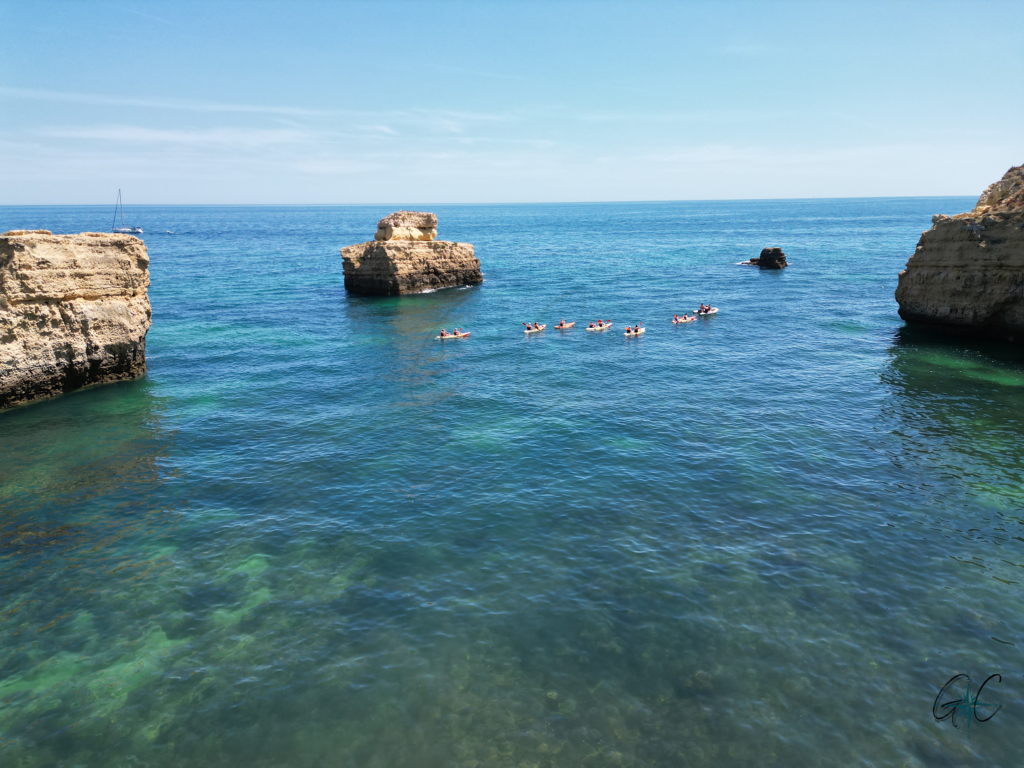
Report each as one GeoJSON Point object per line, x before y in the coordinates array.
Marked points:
{"type": "Point", "coordinates": [592, 325]}
{"type": "Point", "coordinates": [443, 333]}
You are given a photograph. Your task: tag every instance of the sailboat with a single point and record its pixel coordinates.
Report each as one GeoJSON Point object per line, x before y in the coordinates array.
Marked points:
{"type": "Point", "coordinates": [123, 229]}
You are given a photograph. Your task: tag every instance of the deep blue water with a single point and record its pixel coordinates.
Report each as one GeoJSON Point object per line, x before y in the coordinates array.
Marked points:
{"type": "Point", "coordinates": [314, 535]}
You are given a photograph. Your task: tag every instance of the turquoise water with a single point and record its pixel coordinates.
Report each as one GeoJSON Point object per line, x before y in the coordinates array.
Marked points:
{"type": "Point", "coordinates": [313, 535]}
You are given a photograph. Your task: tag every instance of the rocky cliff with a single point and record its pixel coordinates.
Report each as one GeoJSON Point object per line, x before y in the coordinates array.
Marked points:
{"type": "Point", "coordinates": [74, 310]}
{"type": "Point", "coordinates": [405, 258]}
{"type": "Point", "coordinates": [967, 273]}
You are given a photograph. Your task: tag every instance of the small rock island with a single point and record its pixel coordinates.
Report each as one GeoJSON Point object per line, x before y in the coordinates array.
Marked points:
{"type": "Point", "coordinates": [770, 258]}
{"type": "Point", "coordinates": [74, 310]}
{"type": "Point", "coordinates": [967, 273]}
{"type": "Point", "coordinates": [405, 258]}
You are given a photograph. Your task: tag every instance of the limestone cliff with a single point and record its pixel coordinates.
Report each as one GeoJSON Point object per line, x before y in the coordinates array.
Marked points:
{"type": "Point", "coordinates": [405, 258]}
{"type": "Point", "coordinates": [967, 273]}
{"type": "Point", "coordinates": [74, 310]}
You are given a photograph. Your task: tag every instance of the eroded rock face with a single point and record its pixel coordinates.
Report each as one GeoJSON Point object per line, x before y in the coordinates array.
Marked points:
{"type": "Point", "coordinates": [967, 273]}
{"type": "Point", "coordinates": [405, 258]}
{"type": "Point", "coordinates": [407, 225]}
{"type": "Point", "coordinates": [74, 310]}
{"type": "Point", "coordinates": [400, 266]}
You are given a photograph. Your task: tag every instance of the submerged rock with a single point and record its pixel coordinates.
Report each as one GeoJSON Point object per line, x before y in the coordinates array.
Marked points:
{"type": "Point", "coordinates": [74, 310]}
{"type": "Point", "coordinates": [967, 273]}
{"type": "Point", "coordinates": [770, 258]}
{"type": "Point", "coordinates": [405, 258]}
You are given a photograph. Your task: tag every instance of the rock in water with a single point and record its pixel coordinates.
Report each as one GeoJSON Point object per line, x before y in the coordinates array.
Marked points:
{"type": "Point", "coordinates": [967, 273]}
{"type": "Point", "coordinates": [772, 258]}
{"type": "Point", "coordinates": [74, 310]}
{"type": "Point", "coordinates": [405, 258]}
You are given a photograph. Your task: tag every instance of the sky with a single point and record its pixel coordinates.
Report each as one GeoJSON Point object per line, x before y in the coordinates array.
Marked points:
{"type": "Point", "coordinates": [504, 102]}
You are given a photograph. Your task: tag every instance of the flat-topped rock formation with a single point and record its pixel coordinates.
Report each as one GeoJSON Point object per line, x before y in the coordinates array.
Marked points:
{"type": "Point", "coordinates": [770, 258]}
{"type": "Point", "coordinates": [405, 258]}
{"type": "Point", "coordinates": [967, 273]}
{"type": "Point", "coordinates": [407, 225]}
{"type": "Point", "coordinates": [74, 310]}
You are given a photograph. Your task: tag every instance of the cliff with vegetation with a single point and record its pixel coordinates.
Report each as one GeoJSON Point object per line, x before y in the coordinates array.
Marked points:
{"type": "Point", "coordinates": [967, 273]}
{"type": "Point", "coordinates": [404, 258]}
{"type": "Point", "coordinates": [74, 310]}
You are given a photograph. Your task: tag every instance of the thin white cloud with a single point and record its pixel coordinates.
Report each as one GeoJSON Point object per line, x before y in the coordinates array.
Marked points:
{"type": "Point", "coordinates": [228, 137]}
{"type": "Point", "coordinates": [446, 118]}
{"type": "Point", "coordinates": [172, 104]}
{"type": "Point", "coordinates": [148, 16]}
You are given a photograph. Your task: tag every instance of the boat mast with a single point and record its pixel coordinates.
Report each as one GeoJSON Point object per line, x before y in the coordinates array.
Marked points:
{"type": "Point", "coordinates": [114, 223]}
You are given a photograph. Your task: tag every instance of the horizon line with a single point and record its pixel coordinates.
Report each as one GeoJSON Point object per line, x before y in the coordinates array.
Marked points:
{"type": "Point", "coordinates": [559, 202]}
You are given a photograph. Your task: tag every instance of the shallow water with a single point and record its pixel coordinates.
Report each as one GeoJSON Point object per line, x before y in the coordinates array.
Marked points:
{"type": "Point", "coordinates": [314, 535]}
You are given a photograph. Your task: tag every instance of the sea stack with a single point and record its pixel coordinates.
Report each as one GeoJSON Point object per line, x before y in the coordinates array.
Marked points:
{"type": "Point", "coordinates": [770, 258]}
{"type": "Point", "coordinates": [967, 273]}
{"type": "Point", "coordinates": [74, 310]}
{"type": "Point", "coordinates": [405, 258]}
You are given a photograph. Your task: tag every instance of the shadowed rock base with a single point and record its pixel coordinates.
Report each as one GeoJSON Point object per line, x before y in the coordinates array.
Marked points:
{"type": "Point", "coordinates": [74, 311]}
{"type": "Point", "coordinates": [967, 274]}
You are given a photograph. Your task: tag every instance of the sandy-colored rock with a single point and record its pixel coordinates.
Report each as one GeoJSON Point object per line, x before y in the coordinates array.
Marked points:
{"type": "Point", "coordinates": [397, 267]}
{"type": "Point", "coordinates": [407, 225]}
{"type": "Point", "coordinates": [74, 310]}
{"type": "Point", "coordinates": [392, 266]}
{"type": "Point", "coordinates": [967, 273]}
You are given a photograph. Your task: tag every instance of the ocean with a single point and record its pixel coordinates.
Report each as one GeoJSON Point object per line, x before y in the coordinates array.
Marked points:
{"type": "Point", "coordinates": [314, 535]}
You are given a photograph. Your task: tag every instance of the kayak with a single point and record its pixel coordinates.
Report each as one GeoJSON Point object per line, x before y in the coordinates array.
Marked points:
{"type": "Point", "coordinates": [454, 335]}
{"type": "Point", "coordinates": [563, 327]}
{"type": "Point", "coordinates": [680, 321]}
{"type": "Point", "coordinates": [600, 327]}
{"type": "Point", "coordinates": [712, 311]}
{"type": "Point", "coordinates": [638, 333]}
{"type": "Point", "coordinates": [534, 330]}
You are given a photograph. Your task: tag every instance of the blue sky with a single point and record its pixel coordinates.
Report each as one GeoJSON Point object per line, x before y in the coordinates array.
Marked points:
{"type": "Point", "coordinates": [421, 102]}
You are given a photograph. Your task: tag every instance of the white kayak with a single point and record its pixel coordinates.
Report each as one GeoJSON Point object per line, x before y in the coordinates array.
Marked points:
{"type": "Point", "coordinates": [638, 333]}
{"type": "Point", "coordinates": [600, 327]}
{"type": "Point", "coordinates": [565, 327]}
{"type": "Point", "coordinates": [535, 330]}
{"type": "Point", "coordinates": [682, 320]}
{"type": "Point", "coordinates": [454, 335]}
{"type": "Point", "coordinates": [712, 311]}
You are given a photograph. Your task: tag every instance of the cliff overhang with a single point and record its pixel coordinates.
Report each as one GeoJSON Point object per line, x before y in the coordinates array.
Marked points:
{"type": "Point", "coordinates": [967, 272]}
